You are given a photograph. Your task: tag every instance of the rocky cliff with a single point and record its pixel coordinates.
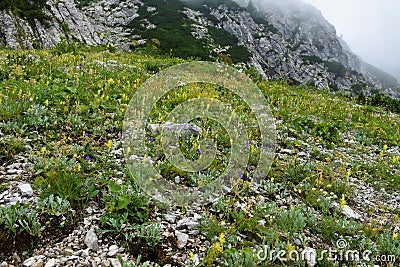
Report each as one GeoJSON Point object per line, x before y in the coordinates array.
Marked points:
{"type": "Point", "coordinates": [281, 39]}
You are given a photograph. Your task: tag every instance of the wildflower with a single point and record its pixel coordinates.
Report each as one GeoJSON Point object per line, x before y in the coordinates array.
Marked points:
{"type": "Point", "coordinates": [109, 145]}
{"type": "Point", "coordinates": [385, 147]}
{"type": "Point", "coordinates": [87, 157]}
{"type": "Point", "coordinates": [46, 102]}
{"type": "Point", "coordinates": [221, 238]}
{"type": "Point", "coordinates": [348, 173]}
{"type": "Point", "coordinates": [191, 256]}
{"type": "Point", "coordinates": [86, 134]}
{"type": "Point", "coordinates": [290, 248]}
{"type": "Point", "coordinates": [152, 139]}
{"type": "Point", "coordinates": [291, 207]}
{"type": "Point", "coordinates": [272, 179]}
{"type": "Point", "coordinates": [217, 247]}
{"type": "Point", "coordinates": [75, 155]}
{"type": "Point", "coordinates": [79, 167]}
{"type": "Point", "coordinates": [199, 151]}
{"type": "Point", "coordinates": [47, 90]}
{"type": "Point", "coordinates": [395, 235]}
{"type": "Point", "coordinates": [343, 202]}
{"type": "Point", "coordinates": [240, 174]}
{"type": "Point", "coordinates": [43, 150]}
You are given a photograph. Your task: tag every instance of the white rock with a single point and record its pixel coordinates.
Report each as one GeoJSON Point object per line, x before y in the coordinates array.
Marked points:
{"type": "Point", "coordinates": [181, 238]}
{"type": "Point", "coordinates": [91, 240]}
{"type": "Point", "coordinates": [350, 213]}
{"type": "Point", "coordinates": [114, 262]}
{"type": "Point", "coordinates": [39, 263]}
{"type": "Point", "coordinates": [85, 253]}
{"type": "Point", "coordinates": [287, 151]}
{"type": "Point", "coordinates": [51, 263]}
{"type": "Point", "coordinates": [3, 264]}
{"type": "Point", "coordinates": [29, 262]}
{"type": "Point", "coordinates": [112, 250]}
{"type": "Point", "coordinates": [26, 190]}
{"type": "Point", "coordinates": [170, 218]}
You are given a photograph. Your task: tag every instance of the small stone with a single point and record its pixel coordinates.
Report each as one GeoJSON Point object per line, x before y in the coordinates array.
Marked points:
{"type": "Point", "coordinates": [16, 258]}
{"type": "Point", "coordinates": [350, 213]}
{"type": "Point", "coordinates": [287, 151]}
{"type": "Point", "coordinates": [26, 190]}
{"type": "Point", "coordinates": [91, 240]}
{"type": "Point", "coordinates": [170, 218]}
{"type": "Point", "coordinates": [2, 195]}
{"type": "Point", "coordinates": [68, 252]}
{"type": "Point", "coordinates": [39, 263]}
{"type": "Point", "coordinates": [85, 253]}
{"type": "Point", "coordinates": [114, 262]}
{"type": "Point", "coordinates": [51, 263]}
{"type": "Point", "coordinates": [12, 171]}
{"type": "Point", "coordinates": [177, 179]}
{"type": "Point", "coordinates": [29, 262]}
{"type": "Point", "coordinates": [4, 264]}
{"type": "Point", "coordinates": [181, 238]}
{"type": "Point", "coordinates": [112, 250]}
{"type": "Point", "coordinates": [105, 263]}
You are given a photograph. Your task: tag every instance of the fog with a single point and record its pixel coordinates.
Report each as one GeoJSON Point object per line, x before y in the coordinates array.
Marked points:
{"type": "Point", "coordinates": [370, 27]}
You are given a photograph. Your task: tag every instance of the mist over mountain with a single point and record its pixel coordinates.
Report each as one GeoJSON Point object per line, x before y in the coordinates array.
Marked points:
{"type": "Point", "coordinates": [281, 39]}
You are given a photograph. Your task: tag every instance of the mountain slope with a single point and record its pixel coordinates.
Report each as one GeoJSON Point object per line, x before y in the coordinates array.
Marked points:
{"type": "Point", "coordinates": [285, 39]}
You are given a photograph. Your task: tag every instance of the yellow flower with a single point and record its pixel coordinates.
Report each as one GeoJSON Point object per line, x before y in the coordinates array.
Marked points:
{"type": "Point", "coordinates": [79, 167]}
{"type": "Point", "coordinates": [43, 150]}
{"type": "Point", "coordinates": [395, 235]}
{"type": "Point", "coordinates": [348, 173]}
{"type": "Point", "coordinates": [75, 155]}
{"type": "Point", "coordinates": [217, 247]}
{"type": "Point", "coordinates": [191, 256]}
{"type": "Point", "coordinates": [109, 145]}
{"type": "Point", "coordinates": [272, 179]}
{"type": "Point", "coordinates": [291, 207]}
{"type": "Point", "coordinates": [290, 248]}
{"type": "Point", "coordinates": [221, 238]}
{"type": "Point", "coordinates": [385, 147]}
{"type": "Point", "coordinates": [46, 102]}
{"type": "Point", "coordinates": [343, 202]}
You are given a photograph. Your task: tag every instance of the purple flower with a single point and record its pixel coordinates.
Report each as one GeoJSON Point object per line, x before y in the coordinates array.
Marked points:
{"type": "Point", "coordinates": [199, 151]}
{"type": "Point", "coordinates": [290, 147]}
{"type": "Point", "coordinates": [87, 158]}
{"type": "Point", "coordinates": [152, 139]}
{"type": "Point", "coordinates": [240, 174]}
{"type": "Point", "coordinates": [47, 90]}
{"type": "Point", "coordinates": [350, 116]}
{"type": "Point", "coordinates": [157, 131]}
{"type": "Point", "coordinates": [86, 134]}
